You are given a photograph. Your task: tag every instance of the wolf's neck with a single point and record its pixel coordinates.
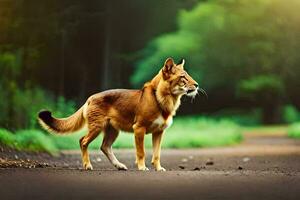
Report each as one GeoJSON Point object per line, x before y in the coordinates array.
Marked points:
{"type": "Point", "coordinates": [167, 101]}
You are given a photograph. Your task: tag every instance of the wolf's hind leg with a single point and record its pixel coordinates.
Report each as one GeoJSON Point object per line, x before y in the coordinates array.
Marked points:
{"type": "Point", "coordinates": [84, 143]}
{"type": "Point", "coordinates": [110, 135]}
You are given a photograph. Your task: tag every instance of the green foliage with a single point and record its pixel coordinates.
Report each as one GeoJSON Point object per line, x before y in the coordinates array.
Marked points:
{"type": "Point", "coordinates": [202, 132]}
{"type": "Point", "coordinates": [9, 70]}
{"type": "Point", "coordinates": [294, 131]}
{"type": "Point", "coordinates": [185, 132]}
{"type": "Point", "coordinates": [25, 104]}
{"type": "Point", "coordinates": [241, 117]}
{"type": "Point", "coordinates": [234, 44]}
{"type": "Point", "coordinates": [291, 114]}
{"type": "Point", "coordinates": [239, 45]}
{"type": "Point", "coordinates": [161, 49]}
{"type": "Point", "coordinates": [72, 141]}
{"type": "Point", "coordinates": [34, 140]}
{"type": "Point", "coordinates": [64, 107]}
{"type": "Point", "coordinates": [10, 65]}
{"type": "Point", "coordinates": [28, 140]}
{"type": "Point", "coordinates": [258, 87]}
{"type": "Point", "coordinates": [21, 101]}
{"type": "Point", "coordinates": [7, 138]}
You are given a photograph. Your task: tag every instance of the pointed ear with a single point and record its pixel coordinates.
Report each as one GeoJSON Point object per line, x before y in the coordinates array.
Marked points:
{"type": "Point", "coordinates": [167, 68]}
{"type": "Point", "coordinates": [181, 63]}
{"type": "Point", "coordinates": [169, 64]}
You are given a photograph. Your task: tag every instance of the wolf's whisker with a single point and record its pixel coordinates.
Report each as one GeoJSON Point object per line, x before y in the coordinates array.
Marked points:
{"type": "Point", "coordinates": [203, 92]}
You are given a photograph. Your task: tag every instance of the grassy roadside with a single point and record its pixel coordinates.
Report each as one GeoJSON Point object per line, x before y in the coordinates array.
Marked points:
{"type": "Point", "coordinates": [294, 131]}
{"type": "Point", "coordinates": [186, 132]}
{"type": "Point", "coordinates": [28, 140]}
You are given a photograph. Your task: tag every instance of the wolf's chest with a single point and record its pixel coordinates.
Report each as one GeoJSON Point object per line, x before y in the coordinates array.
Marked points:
{"type": "Point", "coordinates": [161, 123]}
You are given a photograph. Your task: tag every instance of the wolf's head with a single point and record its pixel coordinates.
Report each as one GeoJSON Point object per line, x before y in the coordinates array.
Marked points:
{"type": "Point", "coordinates": [177, 80]}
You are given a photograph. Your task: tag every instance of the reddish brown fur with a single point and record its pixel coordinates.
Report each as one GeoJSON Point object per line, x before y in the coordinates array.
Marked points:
{"type": "Point", "coordinates": [130, 111]}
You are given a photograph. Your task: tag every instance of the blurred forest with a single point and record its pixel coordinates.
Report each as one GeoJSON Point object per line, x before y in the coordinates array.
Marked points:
{"type": "Point", "coordinates": [56, 53]}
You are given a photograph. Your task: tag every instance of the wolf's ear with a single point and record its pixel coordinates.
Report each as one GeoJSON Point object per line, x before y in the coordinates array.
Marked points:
{"type": "Point", "coordinates": [167, 68]}
{"type": "Point", "coordinates": [181, 63]}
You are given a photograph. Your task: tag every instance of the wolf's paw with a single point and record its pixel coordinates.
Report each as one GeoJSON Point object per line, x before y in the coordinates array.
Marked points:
{"type": "Point", "coordinates": [121, 166]}
{"type": "Point", "coordinates": [88, 166]}
{"type": "Point", "coordinates": [160, 169]}
{"type": "Point", "coordinates": [143, 168]}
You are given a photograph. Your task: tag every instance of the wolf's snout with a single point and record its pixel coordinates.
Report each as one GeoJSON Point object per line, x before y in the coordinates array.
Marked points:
{"type": "Point", "coordinates": [191, 90]}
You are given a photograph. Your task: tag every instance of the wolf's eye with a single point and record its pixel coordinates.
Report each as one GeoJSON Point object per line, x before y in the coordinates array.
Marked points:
{"type": "Point", "coordinates": [182, 82]}
{"type": "Point", "coordinates": [183, 78]}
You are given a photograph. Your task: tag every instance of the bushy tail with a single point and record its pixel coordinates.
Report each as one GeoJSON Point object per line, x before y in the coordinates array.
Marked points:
{"type": "Point", "coordinates": [63, 125]}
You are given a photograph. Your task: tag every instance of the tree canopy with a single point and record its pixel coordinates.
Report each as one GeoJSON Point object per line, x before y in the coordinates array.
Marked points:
{"type": "Point", "coordinates": [227, 41]}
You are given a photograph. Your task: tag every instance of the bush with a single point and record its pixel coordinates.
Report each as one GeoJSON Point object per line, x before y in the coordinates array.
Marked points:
{"type": "Point", "coordinates": [34, 140]}
{"type": "Point", "coordinates": [241, 117]}
{"type": "Point", "coordinates": [7, 138]}
{"type": "Point", "coordinates": [294, 131]}
{"type": "Point", "coordinates": [260, 86]}
{"type": "Point", "coordinates": [191, 132]}
{"type": "Point", "coordinates": [291, 114]}
{"type": "Point", "coordinates": [29, 140]}
{"type": "Point", "coordinates": [21, 112]}
{"type": "Point", "coordinates": [20, 100]}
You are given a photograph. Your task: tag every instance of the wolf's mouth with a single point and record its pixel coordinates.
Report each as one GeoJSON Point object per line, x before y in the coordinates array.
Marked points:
{"type": "Point", "coordinates": [190, 91]}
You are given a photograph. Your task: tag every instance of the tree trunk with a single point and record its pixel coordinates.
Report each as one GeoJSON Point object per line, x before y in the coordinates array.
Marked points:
{"type": "Point", "coordinates": [106, 55]}
{"type": "Point", "coordinates": [271, 113]}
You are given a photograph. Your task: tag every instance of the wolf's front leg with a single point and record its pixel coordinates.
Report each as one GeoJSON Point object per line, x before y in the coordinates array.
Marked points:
{"type": "Point", "coordinates": [156, 143]}
{"type": "Point", "coordinates": [139, 134]}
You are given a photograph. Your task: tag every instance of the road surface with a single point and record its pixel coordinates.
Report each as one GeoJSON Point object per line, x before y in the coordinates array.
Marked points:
{"type": "Point", "coordinates": [263, 167]}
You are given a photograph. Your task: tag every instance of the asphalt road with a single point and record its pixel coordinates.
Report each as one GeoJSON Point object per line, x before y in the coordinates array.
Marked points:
{"type": "Point", "coordinates": [261, 168]}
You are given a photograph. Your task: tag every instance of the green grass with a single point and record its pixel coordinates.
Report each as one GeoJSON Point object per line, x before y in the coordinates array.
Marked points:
{"type": "Point", "coordinates": [71, 141]}
{"type": "Point", "coordinates": [186, 132]}
{"type": "Point", "coordinates": [29, 140]}
{"type": "Point", "coordinates": [7, 138]}
{"type": "Point", "coordinates": [192, 132]}
{"type": "Point", "coordinates": [294, 130]}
